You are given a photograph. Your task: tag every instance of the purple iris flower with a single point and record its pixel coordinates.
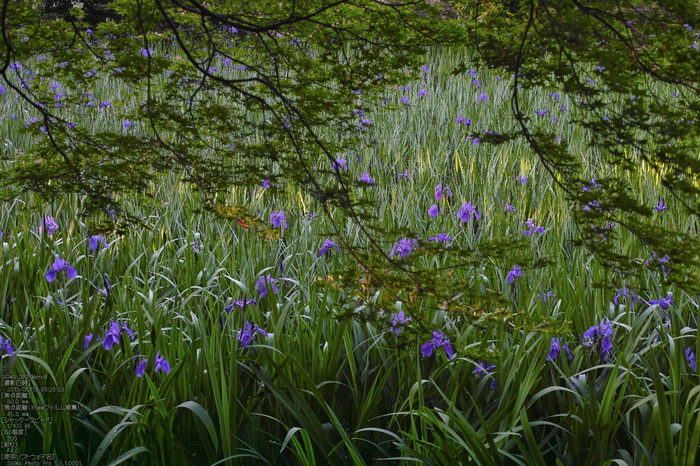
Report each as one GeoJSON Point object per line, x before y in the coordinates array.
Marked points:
{"type": "Point", "coordinates": [509, 208]}
{"type": "Point", "coordinates": [127, 124]}
{"type": "Point", "coordinates": [265, 184]}
{"type": "Point", "coordinates": [404, 175]}
{"type": "Point", "coordinates": [604, 329]}
{"type": "Point", "coordinates": [594, 184]}
{"type": "Point", "coordinates": [246, 334]}
{"type": "Point", "coordinates": [594, 204]}
{"type": "Point", "coordinates": [340, 163]}
{"type": "Point", "coordinates": [5, 345]}
{"type": "Point", "coordinates": [689, 356]}
{"type": "Point", "coordinates": [555, 96]}
{"type": "Point", "coordinates": [51, 226]}
{"type": "Point", "coordinates": [515, 273]}
{"type": "Point", "coordinates": [398, 322]}
{"type": "Point", "coordinates": [662, 205]}
{"type": "Point", "coordinates": [626, 293]}
{"type": "Point", "coordinates": [161, 363]}
{"type": "Point", "coordinates": [663, 260]}
{"type": "Point", "coordinates": [621, 292]}
{"type": "Point", "coordinates": [604, 332]}
{"type": "Point", "coordinates": [106, 104]}
{"type": "Point", "coordinates": [440, 191]}
{"type": "Point", "coordinates": [422, 93]}
{"type": "Point", "coordinates": [556, 348]}
{"type": "Point", "coordinates": [260, 285]}
{"type": "Point", "coordinates": [279, 218]}
{"type": "Point", "coordinates": [541, 112]}
{"type": "Point", "coordinates": [88, 339]}
{"type": "Point", "coordinates": [465, 212]}
{"type": "Point", "coordinates": [483, 97]}
{"type": "Point", "coordinates": [328, 245]}
{"type": "Point", "coordinates": [663, 302]}
{"type": "Point", "coordinates": [142, 367]}
{"type": "Point", "coordinates": [441, 238]}
{"type": "Point", "coordinates": [531, 225]}
{"type": "Point", "coordinates": [465, 120]}
{"type": "Point", "coordinates": [112, 336]}
{"type": "Point", "coordinates": [94, 241]}
{"type": "Point", "coordinates": [439, 340]}
{"type": "Point", "coordinates": [523, 179]}
{"type": "Point", "coordinates": [241, 304]}
{"type": "Point", "coordinates": [58, 266]}
{"type": "Point", "coordinates": [128, 330]}
{"type": "Point", "coordinates": [433, 211]}
{"type": "Point", "coordinates": [365, 178]}
{"type": "Point", "coordinates": [482, 370]}
{"type": "Point", "coordinates": [404, 247]}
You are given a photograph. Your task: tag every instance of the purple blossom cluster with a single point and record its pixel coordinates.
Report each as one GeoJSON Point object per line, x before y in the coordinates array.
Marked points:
{"type": "Point", "coordinates": [626, 293]}
{"type": "Point", "coordinates": [484, 370]}
{"type": "Point", "coordinates": [438, 341]}
{"type": "Point", "coordinates": [532, 229]}
{"type": "Point", "coordinates": [664, 303]}
{"type": "Point", "coordinates": [441, 238]}
{"type": "Point", "coordinates": [404, 248]}
{"type": "Point", "coordinates": [689, 356]}
{"type": "Point", "coordinates": [327, 246]}
{"type": "Point", "coordinates": [278, 218]}
{"type": "Point", "coordinates": [94, 241]}
{"type": "Point", "coordinates": [51, 226]}
{"type": "Point", "coordinates": [160, 364]}
{"type": "Point", "coordinates": [515, 273]}
{"type": "Point", "coordinates": [556, 348]}
{"type": "Point", "coordinates": [466, 211]}
{"type": "Point", "coordinates": [261, 285]}
{"type": "Point", "coordinates": [240, 304]}
{"type": "Point", "coordinates": [398, 322]}
{"type": "Point", "coordinates": [599, 334]}
{"type": "Point", "coordinates": [6, 346]}
{"type": "Point", "coordinates": [248, 332]}
{"type": "Point", "coordinates": [441, 191]}
{"type": "Point", "coordinates": [59, 265]}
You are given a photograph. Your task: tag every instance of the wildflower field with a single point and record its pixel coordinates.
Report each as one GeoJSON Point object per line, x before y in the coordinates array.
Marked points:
{"type": "Point", "coordinates": [195, 342]}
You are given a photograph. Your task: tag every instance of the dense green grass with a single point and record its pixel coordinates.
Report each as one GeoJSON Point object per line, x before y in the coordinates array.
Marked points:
{"type": "Point", "coordinates": [318, 390]}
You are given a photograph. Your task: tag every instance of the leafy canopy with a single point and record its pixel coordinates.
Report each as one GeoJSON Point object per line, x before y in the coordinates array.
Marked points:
{"type": "Point", "coordinates": [298, 78]}
{"type": "Point", "coordinates": [632, 67]}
